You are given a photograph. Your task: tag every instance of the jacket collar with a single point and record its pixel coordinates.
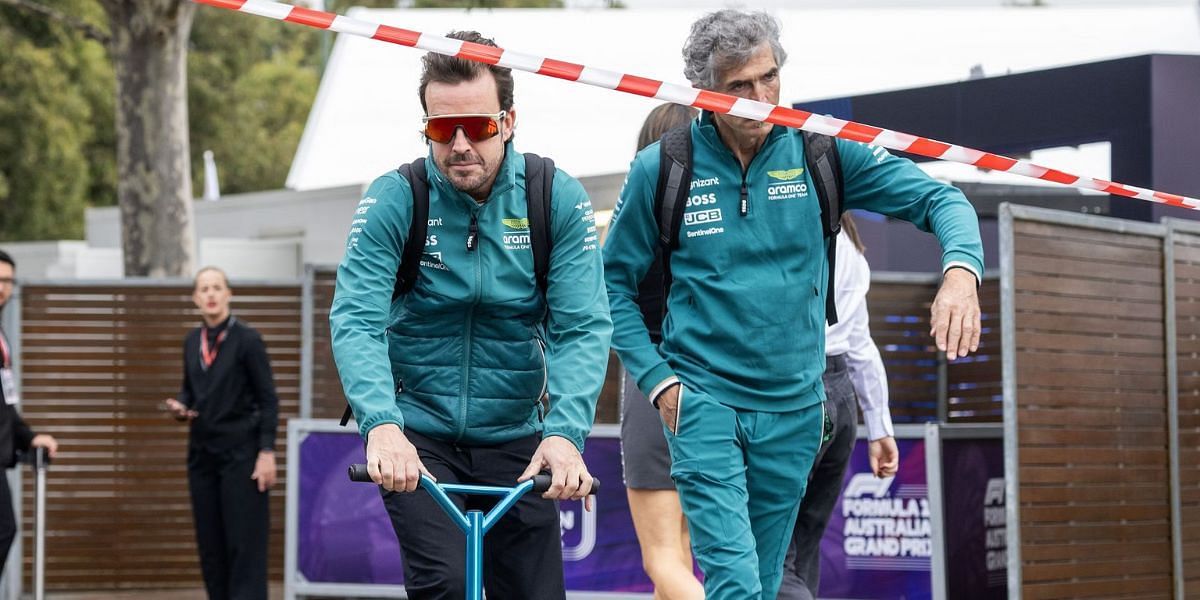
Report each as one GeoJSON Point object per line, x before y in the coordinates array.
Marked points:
{"type": "Point", "coordinates": [506, 178]}
{"type": "Point", "coordinates": [706, 127]}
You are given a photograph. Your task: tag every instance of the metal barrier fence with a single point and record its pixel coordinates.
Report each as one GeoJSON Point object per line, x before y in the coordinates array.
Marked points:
{"type": "Point", "coordinates": [1100, 402]}
{"type": "Point", "coordinates": [96, 360]}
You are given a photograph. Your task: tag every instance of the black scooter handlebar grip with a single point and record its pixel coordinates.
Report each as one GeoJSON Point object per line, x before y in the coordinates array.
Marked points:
{"type": "Point", "coordinates": [358, 473]}
{"type": "Point", "coordinates": [542, 482]}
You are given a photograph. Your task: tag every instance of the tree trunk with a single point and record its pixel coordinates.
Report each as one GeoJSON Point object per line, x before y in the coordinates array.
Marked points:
{"type": "Point", "coordinates": [154, 186]}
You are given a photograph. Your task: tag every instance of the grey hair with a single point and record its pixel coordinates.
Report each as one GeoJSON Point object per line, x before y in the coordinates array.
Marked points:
{"type": "Point", "coordinates": [725, 39]}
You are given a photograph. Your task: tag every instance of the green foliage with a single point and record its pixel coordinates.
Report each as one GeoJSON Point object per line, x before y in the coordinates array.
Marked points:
{"type": "Point", "coordinates": [251, 82]}
{"type": "Point", "coordinates": [255, 137]}
{"type": "Point", "coordinates": [56, 125]}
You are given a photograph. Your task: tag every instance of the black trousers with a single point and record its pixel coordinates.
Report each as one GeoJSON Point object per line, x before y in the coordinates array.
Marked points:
{"type": "Point", "coordinates": [802, 566]}
{"type": "Point", "coordinates": [8, 521]}
{"type": "Point", "coordinates": [522, 552]}
{"type": "Point", "coordinates": [232, 522]}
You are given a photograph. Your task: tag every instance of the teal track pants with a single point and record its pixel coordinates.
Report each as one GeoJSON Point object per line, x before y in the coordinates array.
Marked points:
{"type": "Point", "coordinates": [741, 475]}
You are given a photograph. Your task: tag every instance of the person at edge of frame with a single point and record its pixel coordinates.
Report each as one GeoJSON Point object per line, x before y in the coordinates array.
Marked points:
{"type": "Point", "coordinates": [475, 375]}
{"type": "Point", "coordinates": [737, 377]}
{"type": "Point", "coordinates": [15, 435]}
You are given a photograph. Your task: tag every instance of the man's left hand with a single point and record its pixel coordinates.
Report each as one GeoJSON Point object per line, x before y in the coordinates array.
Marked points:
{"type": "Point", "coordinates": [570, 477]}
{"type": "Point", "coordinates": [264, 470]}
{"type": "Point", "coordinates": [954, 316]}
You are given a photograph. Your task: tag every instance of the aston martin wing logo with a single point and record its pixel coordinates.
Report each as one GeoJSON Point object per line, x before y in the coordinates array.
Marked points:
{"type": "Point", "coordinates": [519, 224]}
{"type": "Point", "coordinates": [786, 174]}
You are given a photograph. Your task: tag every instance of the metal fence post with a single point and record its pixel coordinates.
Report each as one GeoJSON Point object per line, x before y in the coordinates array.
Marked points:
{"type": "Point", "coordinates": [306, 341]}
{"type": "Point", "coordinates": [1170, 347]}
{"type": "Point", "coordinates": [1008, 336]}
{"type": "Point", "coordinates": [943, 388]}
{"type": "Point", "coordinates": [40, 463]}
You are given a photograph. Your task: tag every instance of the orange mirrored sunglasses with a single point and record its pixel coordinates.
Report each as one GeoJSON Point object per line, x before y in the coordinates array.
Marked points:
{"type": "Point", "coordinates": [477, 127]}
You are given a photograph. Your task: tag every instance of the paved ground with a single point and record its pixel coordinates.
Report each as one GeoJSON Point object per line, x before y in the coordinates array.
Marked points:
{"type": "Point", "coordinates": [196, 594]}
{"type": "Point", "coordinates": [139, 595]}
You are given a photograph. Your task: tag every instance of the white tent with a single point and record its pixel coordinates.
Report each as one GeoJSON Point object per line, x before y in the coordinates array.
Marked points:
{"type": "Point", "coordinates": [367, 114]}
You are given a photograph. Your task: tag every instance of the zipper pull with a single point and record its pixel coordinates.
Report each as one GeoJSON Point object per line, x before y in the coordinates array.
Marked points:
{"type": "Point", "coordinates": [745, 203]}
{"type": "Point", "coordinates": [472, 234]}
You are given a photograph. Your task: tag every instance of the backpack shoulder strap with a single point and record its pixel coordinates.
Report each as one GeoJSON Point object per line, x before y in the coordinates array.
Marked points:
{"type": "Point", "coordinates": [674, 181]}
{"type": "Point", "coordinates": [414, 246]}
{"type": "Point", "coordinates": [670, 200]}
{"type": "Point", "coordinates": [539, 192]}
{"type": "Point", "coordinates": [825, 166]}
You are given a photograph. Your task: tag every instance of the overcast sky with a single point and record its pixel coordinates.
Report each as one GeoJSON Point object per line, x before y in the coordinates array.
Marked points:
{"type": "Point", "coordinates": [866, 3]}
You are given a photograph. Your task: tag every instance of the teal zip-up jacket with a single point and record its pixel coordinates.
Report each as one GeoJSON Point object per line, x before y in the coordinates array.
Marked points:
{"type": "Point", "coordinates": [465, 355]}
{"type": "Point", "coordinates": [746, 310]}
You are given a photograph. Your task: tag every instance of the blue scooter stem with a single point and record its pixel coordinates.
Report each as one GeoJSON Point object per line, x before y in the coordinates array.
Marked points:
{"type": "Point", "coordinates": [474, 524]}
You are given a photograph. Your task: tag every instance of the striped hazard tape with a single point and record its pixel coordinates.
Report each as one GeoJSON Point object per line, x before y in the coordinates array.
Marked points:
{"type": "Point", "coordinates": [689, 96]}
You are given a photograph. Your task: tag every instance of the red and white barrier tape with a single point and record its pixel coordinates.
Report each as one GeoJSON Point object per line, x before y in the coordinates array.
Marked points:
{"type": "Point", "coordinates": [689, 96]}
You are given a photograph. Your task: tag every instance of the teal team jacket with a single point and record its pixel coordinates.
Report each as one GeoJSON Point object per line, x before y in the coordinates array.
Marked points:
{"type": "Point", "coordinates": [465, 356]}
{"type": "Point", "coordinates": [745, 321]}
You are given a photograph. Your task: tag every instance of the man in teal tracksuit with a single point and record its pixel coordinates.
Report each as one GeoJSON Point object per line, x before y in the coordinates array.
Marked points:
{"type": "Point", "coordinates": [447, 379]}
{"type": "Point", "coordinates": [737, 377]}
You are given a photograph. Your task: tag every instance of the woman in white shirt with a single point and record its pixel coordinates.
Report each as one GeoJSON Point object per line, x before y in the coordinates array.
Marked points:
{"type": "Point", "coordinates": [853, 370]}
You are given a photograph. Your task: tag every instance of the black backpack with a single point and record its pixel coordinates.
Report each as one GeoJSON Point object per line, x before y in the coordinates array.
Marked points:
{"type": "Point", "coordinates": [670, 198]}
{"type": "Point", "coordinates": [539, 187]}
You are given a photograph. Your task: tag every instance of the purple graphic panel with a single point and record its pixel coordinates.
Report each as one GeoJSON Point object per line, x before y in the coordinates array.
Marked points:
{"type": "Point", "coordinates": [612, 561]}
{"type": "Point", "coordinates": [344, 535]}
{"type": "Point", "coordinates": [973, 480]}
{"type": "Point", "coordinates": [878, 543]}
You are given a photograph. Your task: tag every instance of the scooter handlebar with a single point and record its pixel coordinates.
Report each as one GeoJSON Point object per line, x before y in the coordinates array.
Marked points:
{"type": "Point", "coordinates": [541, 481]}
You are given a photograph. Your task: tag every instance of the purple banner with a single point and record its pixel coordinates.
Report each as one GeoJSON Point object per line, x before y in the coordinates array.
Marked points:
{"type": "Point", "coordinates": [878, 542]}
{"type": "Point", "coordinates": [613, 563]}
{"type": "Point", "coordinates": [973, 480]}
{"type": "Point", "coordinates": [344, 535]}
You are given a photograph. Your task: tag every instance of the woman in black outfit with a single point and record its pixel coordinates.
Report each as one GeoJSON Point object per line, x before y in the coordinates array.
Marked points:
{"type": "Point", "coordinates": [228, 398]}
